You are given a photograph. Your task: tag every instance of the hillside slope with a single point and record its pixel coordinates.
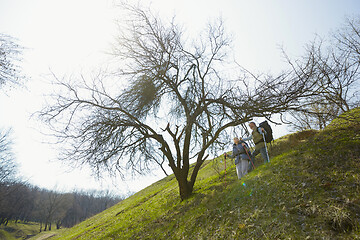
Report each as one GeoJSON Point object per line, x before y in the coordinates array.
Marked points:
{"type": "Point", "coordinates": [310, 190]}
{"type": "Point", "coordinates": [18, 230]}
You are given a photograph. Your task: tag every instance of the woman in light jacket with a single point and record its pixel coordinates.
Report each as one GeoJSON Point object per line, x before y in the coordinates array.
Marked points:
{"type": "Point", "coordinates": [241, 157]}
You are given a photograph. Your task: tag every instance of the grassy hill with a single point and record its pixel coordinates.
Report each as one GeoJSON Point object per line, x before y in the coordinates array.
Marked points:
{"type": "Point", "coordinates": [310, 190]}
{"type": "Point", "coordinates": [18, 230]}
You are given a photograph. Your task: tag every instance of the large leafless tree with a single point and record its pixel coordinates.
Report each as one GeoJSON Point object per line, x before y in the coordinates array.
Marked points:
{"type": "Point", "coordinates": [172, 96]}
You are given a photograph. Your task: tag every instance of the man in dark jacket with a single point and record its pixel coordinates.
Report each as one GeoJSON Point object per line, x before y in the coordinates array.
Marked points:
{"type": "Point", "coordinates": [257, 137]}
{"type": "Point", "coordinates": [241, 157]}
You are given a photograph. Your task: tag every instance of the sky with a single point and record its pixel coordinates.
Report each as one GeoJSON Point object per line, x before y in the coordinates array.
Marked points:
{"type": "Point", "coordinates": [72, 36]}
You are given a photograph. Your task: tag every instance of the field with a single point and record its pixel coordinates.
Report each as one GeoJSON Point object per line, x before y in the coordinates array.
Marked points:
{"type": "Point", "coordinates": [309, 190]}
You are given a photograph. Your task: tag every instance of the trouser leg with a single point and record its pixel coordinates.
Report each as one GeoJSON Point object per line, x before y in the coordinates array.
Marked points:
{"type": "Point", "coordinates": [250, 168]}
{"type": "Point", "coordinates": [244, 167]}
{"type": "Point", "coordinates": [253, 154]}
{"type": "Point", "coordinates": [264, 155]}
{"type": "Point", "coordinates": [238, 170]}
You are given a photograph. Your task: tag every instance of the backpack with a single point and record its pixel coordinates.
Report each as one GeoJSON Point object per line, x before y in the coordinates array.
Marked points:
{"type": "Point", "coordinates": [268, 136]}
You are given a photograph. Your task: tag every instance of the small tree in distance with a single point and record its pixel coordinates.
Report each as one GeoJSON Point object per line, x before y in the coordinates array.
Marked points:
{"type": "Point", "coordinates": [7, 159]}
{"type": "Point", "coordinates": [170, 97]}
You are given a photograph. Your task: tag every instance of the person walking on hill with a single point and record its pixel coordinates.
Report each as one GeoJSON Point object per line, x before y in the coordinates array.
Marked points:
{"type": "Point", "coordinates": [241, 157]}
{"type": "Point", "coordinates": [257, 136]}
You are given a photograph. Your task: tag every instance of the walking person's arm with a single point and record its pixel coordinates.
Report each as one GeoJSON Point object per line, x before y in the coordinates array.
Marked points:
{"type": "Point", "coordinates": [234, 153]}
{"type": "Point", "coordinates": [246, 139]}
{"type": "Point", "coordinates": [261, 130]}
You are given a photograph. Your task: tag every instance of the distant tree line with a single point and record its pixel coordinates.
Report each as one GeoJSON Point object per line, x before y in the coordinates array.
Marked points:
{"type": "Point", "coordinates": [20, 201]}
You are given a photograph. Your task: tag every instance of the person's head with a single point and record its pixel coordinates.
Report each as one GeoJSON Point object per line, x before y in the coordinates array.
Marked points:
{"type": "Point", "coordinates": [236, 140]}
{"type": "Point", "coordinates": [252, 125]}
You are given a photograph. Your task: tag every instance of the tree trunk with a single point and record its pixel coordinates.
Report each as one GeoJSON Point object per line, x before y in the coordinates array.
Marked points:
{"type": "Point", "coordinates": [185, 187]}
{"type": "Point", "coordinates": [58, 224]}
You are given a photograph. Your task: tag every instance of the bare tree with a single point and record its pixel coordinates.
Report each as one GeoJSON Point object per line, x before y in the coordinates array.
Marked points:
{"type": "Point", "coordinates": [10, 53]}
{"type": "Point", "coordinates": [316, 116]}
{"type": "Point", "coordinates": [347, 39]}
{"type": "Point", "coordinates": [9, 74]}
{"type": "Point", "coordinates": [169, 98]}
{"type": "Point", "coordinates": [7, 160]}
{"type": "Point", "coordinates": [62, 208]}
{"type": "Point", "coordinates": [333, 69]}
{"type": "Point", "coordinates": [53, 207]}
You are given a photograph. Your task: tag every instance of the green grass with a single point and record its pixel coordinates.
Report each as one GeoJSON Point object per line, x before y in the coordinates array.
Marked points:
{"type": "Point", "coordinates": [46, 234]}
{"type": "Point", "coordinates": [18, 230]}
{"type": "Point", "coordinates": [310, 190]}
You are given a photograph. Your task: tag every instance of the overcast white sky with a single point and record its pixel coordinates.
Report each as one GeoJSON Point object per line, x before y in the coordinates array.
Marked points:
{"type": "Point", "coordinates": [70, 36]}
